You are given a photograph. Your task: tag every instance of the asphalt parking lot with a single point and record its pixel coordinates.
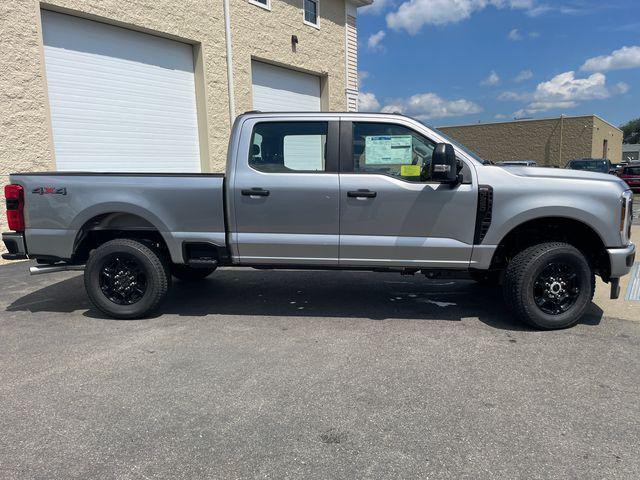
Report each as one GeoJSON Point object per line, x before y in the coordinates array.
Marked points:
{"type": "Point", "coordinates": [257, 374]}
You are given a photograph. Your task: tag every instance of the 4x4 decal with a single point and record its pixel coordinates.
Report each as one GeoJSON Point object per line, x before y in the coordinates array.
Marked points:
{"type": "Point", "coordinates": [49, 191]}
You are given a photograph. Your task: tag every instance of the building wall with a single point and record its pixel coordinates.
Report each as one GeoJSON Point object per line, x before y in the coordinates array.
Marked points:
{"type": "Point", "coordinates": [631, 152]}
{"type": "Point", "coordinates": [265, 35]}
{"type": "Point", "coordinates": [604, 131]}
{"type": "Point", "coordinates": [537, 140]}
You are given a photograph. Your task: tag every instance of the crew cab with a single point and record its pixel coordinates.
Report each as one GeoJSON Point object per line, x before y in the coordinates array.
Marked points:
{"type": "Point", "coordinates": [377, 192]}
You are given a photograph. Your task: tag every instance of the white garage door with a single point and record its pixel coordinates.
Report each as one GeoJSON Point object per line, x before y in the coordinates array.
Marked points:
{"type": "Point", "coordinates": [277, 89]}
{"type": "Point", "coordinates": [120, 100]}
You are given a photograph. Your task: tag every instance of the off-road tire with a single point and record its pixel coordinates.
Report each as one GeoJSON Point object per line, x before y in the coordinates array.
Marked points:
{"type": "Point", "coordinates": [522, 272]}
{"type": "Point", "coordinates": [190, 274]}
{"type": "Point", "coordinates": [155, 268]}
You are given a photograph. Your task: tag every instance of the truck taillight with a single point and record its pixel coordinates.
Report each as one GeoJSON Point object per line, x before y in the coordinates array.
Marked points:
{"type": "Point", "coordinates": [14, 195]}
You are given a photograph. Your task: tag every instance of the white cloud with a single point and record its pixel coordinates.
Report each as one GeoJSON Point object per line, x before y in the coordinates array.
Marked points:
{"type": "Point", "coordinates": [426, 106]}
{"type": "Point", "coordinates": [367, 102]}
{"type": "Point", "coordinates": [509, 96]}
{"type": "Point", "coordinates": [563, 91]}
{"type": "Point", "coordinates": [566, 87]}
{"type": "Point", "coordinates": [539, 10]}
{"type": "Point", "coordinates": [412, 15]}
{"type": "Point", "coordinates": [625, 57]}
{"type": "Point", "coordinates": [376, 8]}
{"type": "Point", "coordinates": [500, 116]}
{"type": "Point", "coordinates": [523, 75]}
{"type": "Point", "coordinates": [537, 107]}
{"type": "Point", "coordinates": [492, 80]}
{"type": "Point", "coordinates": [374, 43]}
{"type": "Point", "coordinates": [362, 76]}
{"type": "Point", "coordinates": [514, 35]}
{"type": "Point", "coordinates": [620, 88]}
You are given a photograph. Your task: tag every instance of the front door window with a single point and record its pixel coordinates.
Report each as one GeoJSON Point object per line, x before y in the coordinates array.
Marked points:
{"type": "Point", "coordinates": [391, 150]}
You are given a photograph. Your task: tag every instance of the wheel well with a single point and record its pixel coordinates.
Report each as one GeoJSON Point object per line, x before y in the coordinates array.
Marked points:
{"type": "Point", "coordinates": [554, 229]}
{"type": "Point", "coordinates": [108, 226]}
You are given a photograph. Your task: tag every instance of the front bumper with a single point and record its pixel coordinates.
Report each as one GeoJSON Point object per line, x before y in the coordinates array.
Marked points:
{"type": "Point", "coordinates": [15, 245]}
{"type": "Point", "coordinates": [621, 260]}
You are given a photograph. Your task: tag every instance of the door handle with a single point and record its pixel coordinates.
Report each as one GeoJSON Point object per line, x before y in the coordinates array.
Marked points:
{"type": "Point", "coordinates": [255, 192]}
{"type": "Point", "coordinates": [361, 194]}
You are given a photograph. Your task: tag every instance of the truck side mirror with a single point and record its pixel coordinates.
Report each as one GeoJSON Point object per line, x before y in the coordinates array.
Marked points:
{"type": "Point", "coordinates": [444, 165]}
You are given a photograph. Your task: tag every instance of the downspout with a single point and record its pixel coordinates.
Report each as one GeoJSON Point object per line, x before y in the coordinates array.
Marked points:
{"type": "Point", "coordinates": [561, 125]}
{"type": "Point", "coordinates": [227, 36]}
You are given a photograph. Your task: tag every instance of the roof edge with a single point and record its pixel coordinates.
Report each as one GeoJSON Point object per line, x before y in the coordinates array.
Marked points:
{"type": "Point", "coordinates": [361, 3]}
{"type": "Point", "coordinates": [531, 120]}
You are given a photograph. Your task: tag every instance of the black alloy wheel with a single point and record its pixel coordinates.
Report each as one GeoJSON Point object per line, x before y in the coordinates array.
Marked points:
{"type": "Point", "coordinates": [556, 288]}
{"type": "Point", "coordinates": [123, 279]}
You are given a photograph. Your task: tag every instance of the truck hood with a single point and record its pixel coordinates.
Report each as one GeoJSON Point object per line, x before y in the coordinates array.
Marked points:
{"type": "Point", "coordinates": [563, 174]}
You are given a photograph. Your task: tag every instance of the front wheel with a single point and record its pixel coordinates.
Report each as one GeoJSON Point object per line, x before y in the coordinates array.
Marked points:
{"type": "Point", "coordinates": [126, 279]}
{"type": "Point", "coordinates": [549, 285]}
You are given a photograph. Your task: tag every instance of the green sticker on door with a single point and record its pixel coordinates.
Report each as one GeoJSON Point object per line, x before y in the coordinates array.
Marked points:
{"type": "Point", "coordinates": [388, 150]}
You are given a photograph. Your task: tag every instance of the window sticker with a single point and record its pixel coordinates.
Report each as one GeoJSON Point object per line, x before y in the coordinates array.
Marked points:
{"type": "Point", "coordinates": [410, 171]}
{"type": "Point", "coordinates": [388, 149]}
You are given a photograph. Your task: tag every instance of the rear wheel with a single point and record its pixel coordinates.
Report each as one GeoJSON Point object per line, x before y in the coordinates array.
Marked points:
{"type": "Point", "coordinates": [190, 274]}
{"type": "Point", "coordinates": [126, 279]}
{"type": "Point", "coordinates": [549, 285]}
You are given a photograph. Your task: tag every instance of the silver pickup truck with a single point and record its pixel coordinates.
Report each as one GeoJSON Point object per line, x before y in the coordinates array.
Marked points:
{"type": "Point", "coordinates": [332, 191]}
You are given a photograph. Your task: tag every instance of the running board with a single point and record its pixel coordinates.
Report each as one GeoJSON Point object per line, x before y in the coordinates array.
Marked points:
{"type": "Point", "coordinates": [202, 263]}
{"type": "Point", "coordinates": [40, 270]}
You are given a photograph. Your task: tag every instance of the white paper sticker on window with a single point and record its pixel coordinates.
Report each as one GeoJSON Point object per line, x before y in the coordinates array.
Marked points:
{"type": "Point", "coordinates": [388, 150]}
{"type": "Point", "coordinates": [304, 152]}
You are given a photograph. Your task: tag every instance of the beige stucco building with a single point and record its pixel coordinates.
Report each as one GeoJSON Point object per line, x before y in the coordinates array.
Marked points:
{"type": "Point", "coordinates": [548, 141]}
{"type": "Point", "coordinates": [145, 85]}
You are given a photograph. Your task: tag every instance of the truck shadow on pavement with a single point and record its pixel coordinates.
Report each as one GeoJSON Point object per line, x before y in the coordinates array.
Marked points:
{"type": "Point", "coordinates": [256, 293]}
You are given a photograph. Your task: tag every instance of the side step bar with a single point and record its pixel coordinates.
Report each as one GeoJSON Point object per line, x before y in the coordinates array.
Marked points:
{"type": "Point", "coordinates": [202, 263]}
{"type": "Point", "coordinates": [42, 269]}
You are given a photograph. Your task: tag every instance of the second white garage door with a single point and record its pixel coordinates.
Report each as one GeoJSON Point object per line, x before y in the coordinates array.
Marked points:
{"type": "Point", "coordinates": [277, 89]}
{"type": "Point", "coordinates": [120, 100]}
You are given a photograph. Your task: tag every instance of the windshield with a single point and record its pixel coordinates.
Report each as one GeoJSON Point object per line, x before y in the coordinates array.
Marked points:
{"type": "Point", "coordinates": [590, 165]}
{"type": "Point", "coordinates": [631, 171]}
{"type": "Point", "coordinates": [473, 155]}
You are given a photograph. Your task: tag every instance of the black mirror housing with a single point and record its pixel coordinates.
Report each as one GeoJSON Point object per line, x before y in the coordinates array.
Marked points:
{"type": "Point", "coordinates": [444, 165]}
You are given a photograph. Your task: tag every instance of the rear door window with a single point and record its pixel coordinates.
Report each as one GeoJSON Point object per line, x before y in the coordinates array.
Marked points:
{"type": "Point", "coordinates": [289, 147]}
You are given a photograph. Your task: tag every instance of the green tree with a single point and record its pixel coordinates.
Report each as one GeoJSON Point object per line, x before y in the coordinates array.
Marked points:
{"type": "Point", "coordinates": [631, 131]}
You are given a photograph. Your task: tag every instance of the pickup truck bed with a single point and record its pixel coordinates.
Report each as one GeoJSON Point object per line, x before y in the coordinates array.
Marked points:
{"type": "Point", "coordinates": [180, 207]}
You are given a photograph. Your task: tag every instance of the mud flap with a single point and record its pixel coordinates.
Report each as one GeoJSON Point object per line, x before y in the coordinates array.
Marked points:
{"type": "Point", "coordinates": [615, 288]}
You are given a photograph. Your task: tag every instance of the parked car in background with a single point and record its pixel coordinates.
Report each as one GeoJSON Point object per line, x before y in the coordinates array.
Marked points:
{"type": "Point", "coordinates": [518, 163]}
{"type": "Point", "coordinates": [616, 168]}
{"type": "Point", "coordinates": [631, 175]}
{"type": "Point", "coordinates": [598, 165]}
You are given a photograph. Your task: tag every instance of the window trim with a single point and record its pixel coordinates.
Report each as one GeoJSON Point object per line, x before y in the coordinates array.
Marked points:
{"type": "Point", "coordinates": [331, 165]}
{"type": "Point", "coordinates": [257, 3]}
{"type": "Point", "coordinates": [304, 19]}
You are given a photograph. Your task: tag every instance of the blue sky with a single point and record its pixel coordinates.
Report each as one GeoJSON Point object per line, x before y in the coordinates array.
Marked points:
{"type": "Point", "coordinates": [463, 61]}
